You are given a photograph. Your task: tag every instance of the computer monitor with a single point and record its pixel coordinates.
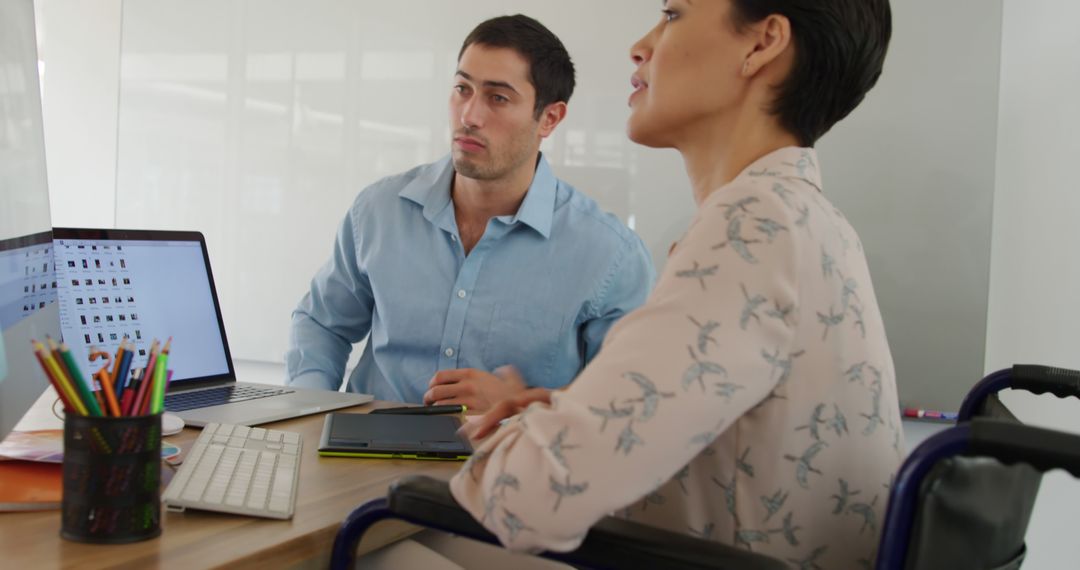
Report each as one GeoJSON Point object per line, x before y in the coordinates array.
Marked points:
{"type": "Point", "coordinates": [28, 308]}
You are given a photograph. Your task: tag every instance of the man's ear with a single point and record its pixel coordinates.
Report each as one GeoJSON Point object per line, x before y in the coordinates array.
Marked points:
{"type": "Point", "coordinates": [550, 118]}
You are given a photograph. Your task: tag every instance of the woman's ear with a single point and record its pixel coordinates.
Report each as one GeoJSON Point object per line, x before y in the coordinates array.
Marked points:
{"type": "Point", "coordinates": [772, 38]}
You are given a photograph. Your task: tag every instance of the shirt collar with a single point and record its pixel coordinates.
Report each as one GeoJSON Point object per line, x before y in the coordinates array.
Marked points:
{"type": "Point", "coordinates": [538, 207]}
{"type": "Point", "coordinates": [431, 190]}
{"type": "Point", "coordinates": [788, 162]}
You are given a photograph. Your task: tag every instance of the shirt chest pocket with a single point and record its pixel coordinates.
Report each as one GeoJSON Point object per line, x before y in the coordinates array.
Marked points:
{"type": "Point", "coordinates": [527, 335]}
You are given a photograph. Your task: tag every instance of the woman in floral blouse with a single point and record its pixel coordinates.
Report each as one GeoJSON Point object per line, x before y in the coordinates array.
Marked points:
{"type": "Point", "coordinates": [752, 399]}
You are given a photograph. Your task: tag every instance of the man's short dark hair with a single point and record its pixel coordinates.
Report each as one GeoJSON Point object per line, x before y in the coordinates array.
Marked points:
{"type": "Point", "coordinates": [840, 48]}
{"type": "Point", "coordinates": [550, 70]}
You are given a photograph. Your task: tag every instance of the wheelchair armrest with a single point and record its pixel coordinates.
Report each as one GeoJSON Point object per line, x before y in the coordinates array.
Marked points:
{"type": "Point", "coordinates": [427, 502]}
{"type": "Point", "coordinates": [611, 543]}
{"type": "Point", "coordinates": [1009, 442]}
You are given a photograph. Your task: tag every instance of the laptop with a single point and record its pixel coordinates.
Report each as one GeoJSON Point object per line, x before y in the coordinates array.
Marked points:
{"type": "Point", "coordinates": [144, 285]}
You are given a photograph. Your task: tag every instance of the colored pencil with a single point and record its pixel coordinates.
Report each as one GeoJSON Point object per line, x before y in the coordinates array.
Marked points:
{"type": "Point", "coordinates": [140, 405]}
{"type": "Point", "coordinates": [157, 402]}
{"type": "Point", "coordinates": [50, 345]}
{"type": "Point", "coordinates": [77, 404]}
{"type": "Point", "coordinates": [126, 402]}
{"type": "Point", "coordinates": [117, 361]}
{"type": "Point", "coordinates": [125, 366]}
{"type": "Point", "coordinates": [96, 378]}
{"type": "Point", "coordinates": [52, 378]}
{"type": "Point", "coordinates": [62, 383]}
{"type": "Point", "coordinates": [84, 389]}
{"type": "Point", "coordinates": [54, 349]}
{"type": "Point", "coordinates": [105, 380]}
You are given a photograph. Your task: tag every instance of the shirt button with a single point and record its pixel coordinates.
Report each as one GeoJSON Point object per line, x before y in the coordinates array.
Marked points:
{"type": "Point", "coordinates": [461, 293]}
{"type": "Point", "coordinates": [449, 352]}
{"type": "Point", "coordinates": [453, 237]}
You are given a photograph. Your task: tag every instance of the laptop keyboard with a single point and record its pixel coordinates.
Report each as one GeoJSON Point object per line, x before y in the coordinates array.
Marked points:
{"type": "Point", "coordinates": [181, 401]}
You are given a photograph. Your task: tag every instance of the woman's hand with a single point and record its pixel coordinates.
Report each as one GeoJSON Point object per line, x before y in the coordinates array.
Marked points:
{"type": "Point", "coordinates": [489, 422]}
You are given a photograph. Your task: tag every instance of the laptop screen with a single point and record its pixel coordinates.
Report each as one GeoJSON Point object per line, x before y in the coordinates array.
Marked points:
{"type": "Point", "coordinates": [142, 286]}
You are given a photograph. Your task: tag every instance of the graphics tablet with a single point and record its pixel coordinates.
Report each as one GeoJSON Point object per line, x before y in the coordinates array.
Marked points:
{"type": "Point", "coordinates": [392, 436]}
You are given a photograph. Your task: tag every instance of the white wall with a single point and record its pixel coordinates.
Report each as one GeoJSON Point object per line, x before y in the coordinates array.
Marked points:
{"type": "Point", "coordinates": [79, 47]}
{"type": "Point", "coordinates": [913, 170]}
{"type": "Point", "coordinates": [1035, 259]}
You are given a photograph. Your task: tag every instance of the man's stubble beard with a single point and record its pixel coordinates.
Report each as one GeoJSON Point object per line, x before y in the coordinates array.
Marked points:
{"type": "Point", "coordinates": [500, 165]}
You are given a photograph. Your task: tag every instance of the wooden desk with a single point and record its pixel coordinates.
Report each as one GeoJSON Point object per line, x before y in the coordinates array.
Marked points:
{"type": "Point", "coordinates": [329, 489]}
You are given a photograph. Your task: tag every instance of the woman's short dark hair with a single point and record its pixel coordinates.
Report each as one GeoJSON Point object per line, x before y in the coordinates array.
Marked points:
{"type": "Point", "coordinates": [550, 70]}
{"type": "Point", "coordinates": [840, 48]}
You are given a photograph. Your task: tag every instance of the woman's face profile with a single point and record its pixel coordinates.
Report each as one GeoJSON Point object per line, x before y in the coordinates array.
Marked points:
{"type": "Point", "coordinates": [688, 73]}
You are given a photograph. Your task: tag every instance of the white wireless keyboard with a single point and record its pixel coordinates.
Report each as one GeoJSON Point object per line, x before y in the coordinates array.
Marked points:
{"type": "Point", "coordinates": [240, 470]}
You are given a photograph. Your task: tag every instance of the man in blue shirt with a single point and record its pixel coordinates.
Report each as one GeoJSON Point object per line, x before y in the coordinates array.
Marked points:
{"type": "Point", "coordinates": [480, 260]}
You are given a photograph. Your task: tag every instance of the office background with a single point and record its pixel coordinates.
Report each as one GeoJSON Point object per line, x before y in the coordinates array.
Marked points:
{"type": "Point", "coordinates": [258, 121]}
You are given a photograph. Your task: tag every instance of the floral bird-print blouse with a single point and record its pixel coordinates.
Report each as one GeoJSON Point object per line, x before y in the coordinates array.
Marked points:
{"type": "Point", "coordinates": [751, 400]}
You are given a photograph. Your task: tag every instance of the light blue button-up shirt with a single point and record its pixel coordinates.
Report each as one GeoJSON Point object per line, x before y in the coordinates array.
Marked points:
{"type": "Point", "coordinates": [538, 291]}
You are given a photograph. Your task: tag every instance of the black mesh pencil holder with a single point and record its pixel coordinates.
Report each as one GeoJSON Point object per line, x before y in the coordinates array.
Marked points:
{"type": "Point", "coordinates": [112, 479]}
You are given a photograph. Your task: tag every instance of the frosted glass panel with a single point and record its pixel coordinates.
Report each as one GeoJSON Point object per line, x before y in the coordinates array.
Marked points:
{"type": "Point", "coordinates": [257, 123]}
{"type": "Point", "coordinates": [24, 196]}
{"type": "Point", "coordinates": [28, 308]}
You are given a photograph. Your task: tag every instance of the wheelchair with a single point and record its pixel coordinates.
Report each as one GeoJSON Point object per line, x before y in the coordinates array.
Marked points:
{"type": "Point", "coordinates": [962, 499]}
